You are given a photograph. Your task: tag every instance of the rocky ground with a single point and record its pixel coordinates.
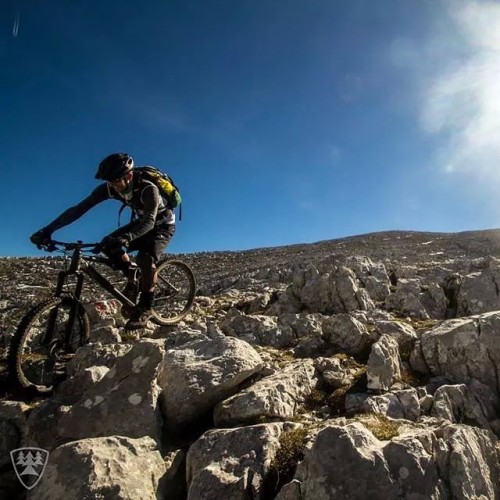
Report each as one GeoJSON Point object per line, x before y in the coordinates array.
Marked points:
{"type": "Point", "coordinates": [364, 367]}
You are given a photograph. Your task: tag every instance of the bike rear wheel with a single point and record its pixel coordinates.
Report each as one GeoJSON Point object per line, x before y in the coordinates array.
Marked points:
{"type": "Point", "coordinates": [175, 292]}
{"type": "Point", "coordinates": [42, 346]}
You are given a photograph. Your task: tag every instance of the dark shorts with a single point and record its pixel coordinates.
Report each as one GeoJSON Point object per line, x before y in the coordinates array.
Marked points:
{"type": "Point", "coordinates": [153, 242]}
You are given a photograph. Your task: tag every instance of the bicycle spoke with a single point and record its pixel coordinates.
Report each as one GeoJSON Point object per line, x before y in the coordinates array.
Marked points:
{"type": "Point", "coordinates": [43, 345]}
{"type": "Point", "coordinates": [174, 292]}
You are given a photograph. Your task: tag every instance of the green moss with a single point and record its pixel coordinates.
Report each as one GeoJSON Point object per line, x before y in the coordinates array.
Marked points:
{"type": "Point", "coordinates": [418, 324]}
{"type": "Point", "coordinates": [380, 426]}
{"type": "Point", "coordinates": [341, 356]}
{"type": "Point", "coordinates": [409, 378]}
{"type": "Point", "coordinates": [279, 356]}
{"type": "Point", "coordinates": [290, 453]}
{"type": "Point", "coordinates": [316, 399]}
{"type": "Point", "coordinates": [129, 336]}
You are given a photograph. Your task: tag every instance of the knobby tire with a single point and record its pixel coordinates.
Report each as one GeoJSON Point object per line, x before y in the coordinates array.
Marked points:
{"type": "Point", "coordinates": [171, 316]}
{"type": "Point", "coordinates": [19, 341]}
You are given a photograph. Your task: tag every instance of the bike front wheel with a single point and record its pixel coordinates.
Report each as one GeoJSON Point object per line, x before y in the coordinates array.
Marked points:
{"type": "Point", "coordinates": [44, 343]}
{"type": "Point", "coordinates": [175, 292]}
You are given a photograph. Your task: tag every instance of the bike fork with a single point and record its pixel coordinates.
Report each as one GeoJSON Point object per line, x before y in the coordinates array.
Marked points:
{"type": "Point", "coordinates": [74, 308]}
{"type": "Point", "coordinates": [49, 334]}
{"type": "Point", "coordinates": [52, 321]}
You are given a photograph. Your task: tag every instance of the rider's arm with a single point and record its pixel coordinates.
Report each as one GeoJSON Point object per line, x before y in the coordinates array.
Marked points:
{"type": "Point", "coordinates": [150, 197]}
{"type": "Point", "coordinates": [99, 194]}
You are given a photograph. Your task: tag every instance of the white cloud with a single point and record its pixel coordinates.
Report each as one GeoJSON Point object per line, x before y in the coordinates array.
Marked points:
{"type": "Point", "coordinates": [460, 76]}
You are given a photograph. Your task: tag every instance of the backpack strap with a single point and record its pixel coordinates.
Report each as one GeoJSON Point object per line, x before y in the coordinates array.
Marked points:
{"type": "Point", "coordinates": [120, 212]}
{"type": "Point", "coordinates": [117, 196]}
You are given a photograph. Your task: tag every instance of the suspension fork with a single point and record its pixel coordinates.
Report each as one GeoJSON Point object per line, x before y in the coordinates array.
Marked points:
{"type": "Point", "coordinates": [74, 307]}
{"type": "Point", "coordinates": [51, 325]}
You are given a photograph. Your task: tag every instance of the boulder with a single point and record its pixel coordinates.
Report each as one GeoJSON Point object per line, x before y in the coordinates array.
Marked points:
{"type": "Point", "coordinates": [106, 335]}
{"type": "Point", "coordinates": [402, 404]}
{"type": "Point", "coordinates": [232, 463]}
{"type": "Point", "coordinates": [403, 333]}
{"type": "Point", "coordinates": [103, 312]}
{"type": "Point", "coordinates": [195, 376]}
{"type": "Point", "coordinates": [275, 397]}
{"type": "Point", "coordinates": [73, 388]}
{"type": "Point", "coordinates": [343, 463]}
{"type": "Point", "coordinates": [114, 468]}
{"type": "Point", "coordinates": [128, 389]}
{"type": "Point", "coordinates": [384, 364]}
{"type": "Point", "coordinates": [96, 355]}
{"type": "Point", "coordinates": [405, 299]}
{"type": "Point", "coordinates": [43, 424]}
{"type": "Point", "coordinates": [479, 291]}
{"type": "Point", "coordinates": [348, 462]}
{"type": "Point", "coordinates": [258, 330]}
{"type": "Point", "coordinates": [13, 429]}
{"type": "Point", "coordinates": [461, 404]}
{"type": "Point", "coordinates": [347, 334]}
{"type": "Point", "coordinates": [462, 349]}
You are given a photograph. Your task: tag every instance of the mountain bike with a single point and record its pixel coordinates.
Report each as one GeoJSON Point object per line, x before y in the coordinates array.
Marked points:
{"type": "Point", "coordinates": [50, 333]}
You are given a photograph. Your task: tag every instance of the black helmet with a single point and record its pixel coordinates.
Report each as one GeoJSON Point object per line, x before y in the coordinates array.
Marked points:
{"type": "Point", "coordinates": [114, 166]}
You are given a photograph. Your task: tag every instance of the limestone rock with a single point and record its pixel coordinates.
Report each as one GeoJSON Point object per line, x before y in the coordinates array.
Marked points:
{"type": "Point", "coordinates": [258, 330]}
{"type": "Point", "coordinates": [275, 397]}
{"type": "Point", "coordinates": [406, 299]}
{"type": "Point", "coordinates": [402, 404]}
{"type": "Point", "coordinates": [128, 389]}
{"type": "Point", "coordinates": [479, 291]}
{"type": "Point", "coordinates": [106, 335]}
{"type": "Point", "coordinates": [13, 428]}
{"type": "Point", "coordinates": [384, 364]}
{"type": "Point", "coordinates": [403, 333]}
{"type": "Point", "coordinates": [232, 463]}
{"type": "Point", "coordinates": [348, 462]}
{"type": "Point", "coordinates": [343, 462]}
{"type": "Point", "coordinates": [109, 467]}
{"type": "Point", "coordinates": [461, 404]}
{"type": "Point", "coordinates": [103, 312]}
{"type": "Point", "coordinates": [462, 349]}
{"type": "Point", "coordinates": [43, 424]}
{"type": "Point", "coordinates": [96, 355]}
{"type": "Point", "coordinates": [73, 388]}
{"type": "Point", "coordinates": [347, 334]}
{"type": "Point", "coordinates": [200, 373]}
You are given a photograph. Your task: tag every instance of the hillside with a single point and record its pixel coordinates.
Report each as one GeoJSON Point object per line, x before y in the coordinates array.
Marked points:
{"type": "Point", "coordinates": [366, 366]}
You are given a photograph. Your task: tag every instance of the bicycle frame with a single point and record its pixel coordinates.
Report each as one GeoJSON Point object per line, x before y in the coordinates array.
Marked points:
{"type": "Point", "coordinates": [76, 268]}
{"type": "Point", "coordinates": [80, 266]}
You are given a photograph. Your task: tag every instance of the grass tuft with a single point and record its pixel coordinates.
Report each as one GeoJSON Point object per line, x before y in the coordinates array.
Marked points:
{"type": "Point", "coordinates": [380, 426]}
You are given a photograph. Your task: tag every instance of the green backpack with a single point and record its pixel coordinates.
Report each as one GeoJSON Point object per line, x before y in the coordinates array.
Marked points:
{"type": "Point", "coordinates": [168, 190]}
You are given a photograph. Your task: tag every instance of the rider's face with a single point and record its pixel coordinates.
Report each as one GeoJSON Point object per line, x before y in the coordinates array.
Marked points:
{"type": "Point", "coordinates": [122, 183]}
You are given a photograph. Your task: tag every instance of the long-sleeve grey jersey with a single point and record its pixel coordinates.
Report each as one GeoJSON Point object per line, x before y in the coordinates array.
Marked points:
{"type": "Point", "coordinates": [146, 201]}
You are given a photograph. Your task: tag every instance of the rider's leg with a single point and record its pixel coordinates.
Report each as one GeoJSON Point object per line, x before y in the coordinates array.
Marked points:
{"type": "Point", "coordinates": [147, 263]}
{"type": "Point", "coordinates": [151, 247]}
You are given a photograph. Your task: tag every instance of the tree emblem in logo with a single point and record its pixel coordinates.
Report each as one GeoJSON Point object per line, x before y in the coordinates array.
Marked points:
{"type": "Point", "coordinates": [29, 464]}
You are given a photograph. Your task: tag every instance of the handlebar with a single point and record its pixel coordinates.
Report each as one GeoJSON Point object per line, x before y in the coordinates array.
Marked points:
{"type": "Point", "coordinates": [53, 246]}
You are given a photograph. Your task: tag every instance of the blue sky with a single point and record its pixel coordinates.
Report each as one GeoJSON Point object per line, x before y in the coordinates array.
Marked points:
{"type": "Point", "coordinates": [282, 121]}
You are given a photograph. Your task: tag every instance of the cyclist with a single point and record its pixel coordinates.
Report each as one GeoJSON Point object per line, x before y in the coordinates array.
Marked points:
{"type": "Point", "coordinates": [150, 233]}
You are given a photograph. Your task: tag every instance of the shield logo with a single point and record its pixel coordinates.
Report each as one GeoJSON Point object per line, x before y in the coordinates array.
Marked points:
{"type": "Point", "coordinates": [29, 464]}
